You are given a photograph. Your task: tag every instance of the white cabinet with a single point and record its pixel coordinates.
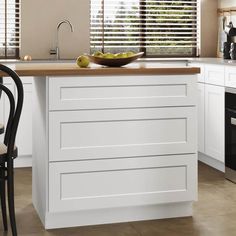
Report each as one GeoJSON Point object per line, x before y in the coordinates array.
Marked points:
{"type": "Point", "coordinates": [230, 76]}
{"type": "Point", "coordinates": [5, 105]}
{"type": "Point", "coordinates": [214, 74]}
{"type": "Point", "coordinates": [214, 121]}
{"type": "Point", "coordinates": [201, 117]}
{"type": "Point", "coordinates": [101, 92]}
{"type": "Point", "coordinates": [83, 135]}
{"type": "Point", "coordinates": [24, 133]}
{"type": "Point", "coordinates": [101, 184]}
{"type": "Point", "coordinates": [201, 76]}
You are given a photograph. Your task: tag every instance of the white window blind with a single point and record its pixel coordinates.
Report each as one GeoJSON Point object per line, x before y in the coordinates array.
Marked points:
{"type": "Point", "coordinates": [156, 27]}
{"type": "Point", "coordinates": [9, 28]}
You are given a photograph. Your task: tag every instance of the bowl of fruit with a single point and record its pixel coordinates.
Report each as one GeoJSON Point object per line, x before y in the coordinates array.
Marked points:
{"type": "Point", "coordinates": [114, 60]}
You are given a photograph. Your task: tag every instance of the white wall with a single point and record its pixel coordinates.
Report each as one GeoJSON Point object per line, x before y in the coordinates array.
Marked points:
{"type": "Point", "coordinates": [209, 28]}
{"type": "Point", "coordinates": [39, 19]}
{"type": "Point", "coordinates": [226, 3]}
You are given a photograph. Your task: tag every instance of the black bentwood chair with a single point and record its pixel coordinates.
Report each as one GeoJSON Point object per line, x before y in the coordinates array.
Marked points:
{"type": "Point", "coordinates": [8, 150]}
{"type": "Point", "coordinates": [1, 125]}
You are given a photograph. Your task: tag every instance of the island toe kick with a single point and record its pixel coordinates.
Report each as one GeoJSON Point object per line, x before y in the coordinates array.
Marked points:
{"type": "Point", "coordinates": [112, 148]}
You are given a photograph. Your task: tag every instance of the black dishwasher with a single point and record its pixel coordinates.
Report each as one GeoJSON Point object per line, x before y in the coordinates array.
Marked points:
{"type": "Point", "coordinates": [230, 135]}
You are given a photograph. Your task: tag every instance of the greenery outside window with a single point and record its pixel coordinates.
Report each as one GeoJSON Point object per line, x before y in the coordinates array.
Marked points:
{"type": "Point", "coordinates": [159, 28]}
{"type": "Point", "coordinates": [9, 29]}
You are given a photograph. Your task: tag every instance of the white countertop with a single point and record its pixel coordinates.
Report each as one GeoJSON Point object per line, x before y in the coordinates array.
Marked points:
{"type": "Point", "coordinates": [208, 60]}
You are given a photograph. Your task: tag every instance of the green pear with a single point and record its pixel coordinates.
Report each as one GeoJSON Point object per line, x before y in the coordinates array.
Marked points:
{"type": "Point", "coordinates": [108, 55]}
{"type": "Point", "coordinates": [98, 54]}
{"type": "Point", "coordinates": [130, 54]}
{"type": "Point", "coordinates": [120, 55]}
{"type": "Point", "coordinates": [82, 61]}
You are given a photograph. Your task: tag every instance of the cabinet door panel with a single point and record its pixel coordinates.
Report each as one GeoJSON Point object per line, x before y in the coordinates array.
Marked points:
{"type": "Point", "coordinates": [201, 118]}
{"type": "Point", "coordinates": [74, 93]}
{"type": "Point", "coordinates": [5, 105]}
{"type": "Point", "coordinates": [78, 135]}
{"type": "Point", "coordinates": [214, 118]}
{"type": "Point", "coordinates": [214, 74]}
{"type": "Point", "coordinates": [230, 76]}
{"type": "Point", "coordinates": [122, 182]}
{"type": "Point", "coordinates": [24, 134]}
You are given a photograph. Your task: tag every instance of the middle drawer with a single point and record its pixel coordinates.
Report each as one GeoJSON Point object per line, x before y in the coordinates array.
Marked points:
{"type": "Point", "coordinates": [100, 134]}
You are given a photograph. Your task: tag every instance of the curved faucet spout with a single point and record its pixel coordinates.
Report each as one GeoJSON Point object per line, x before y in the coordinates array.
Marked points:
{"type": "Point", "coordinates": [65, 22]}
{"type": "Point", "coordinates": [57, 38]}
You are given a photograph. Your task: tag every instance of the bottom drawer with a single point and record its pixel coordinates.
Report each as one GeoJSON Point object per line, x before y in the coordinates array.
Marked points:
{"type": "Point", "coordinates": [84, 185]}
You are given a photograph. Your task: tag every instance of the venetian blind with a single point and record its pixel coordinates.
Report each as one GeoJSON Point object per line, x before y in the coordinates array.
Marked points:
{"type": "Point", "coordinates": [9, 28]}
{"type": "Point", "coordinates": [156, 27]}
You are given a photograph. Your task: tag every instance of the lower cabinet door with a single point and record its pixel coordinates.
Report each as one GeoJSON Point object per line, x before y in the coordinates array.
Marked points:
{"type": "Point", "coordinates": [201, 117]}
{"type": "Point", "coordinates": [101, 134]}
{"type": "Point", "coordinates": [97, 184]}
{"type": "Point", "coordinates": [214, 121]}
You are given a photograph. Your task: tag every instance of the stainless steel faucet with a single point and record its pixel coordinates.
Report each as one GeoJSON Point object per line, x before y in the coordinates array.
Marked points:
{"type": "Point", "coordinates": [56, 51]}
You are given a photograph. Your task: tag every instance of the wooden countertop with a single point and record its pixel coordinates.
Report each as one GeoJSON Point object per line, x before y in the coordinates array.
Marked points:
{"type": "Point", "coordinates": [137, 68]}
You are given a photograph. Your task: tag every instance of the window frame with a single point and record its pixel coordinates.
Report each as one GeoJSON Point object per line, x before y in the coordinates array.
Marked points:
{"type": "Point", "coordinates": [17, 34]}
{"type": "Point", "coordinates": [142, 48]}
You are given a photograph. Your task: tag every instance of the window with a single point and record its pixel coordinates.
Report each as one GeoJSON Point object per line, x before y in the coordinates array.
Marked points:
{"type": "Point", "coordinates": [9, 29]}
{"type": "Point", "coordinates": [164, 28]}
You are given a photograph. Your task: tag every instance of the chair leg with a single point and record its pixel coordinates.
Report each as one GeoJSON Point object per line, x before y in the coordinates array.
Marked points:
{"type": "Point", "coordinates": [3, 197]}
{"type": "Point", "coordinates": [11, 204]}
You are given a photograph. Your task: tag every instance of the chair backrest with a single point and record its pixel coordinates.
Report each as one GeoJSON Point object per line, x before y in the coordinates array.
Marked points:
{"type": "Point", "coordinates": [15, 111]}
{"type": "Point", "coordinates": [1, 81]}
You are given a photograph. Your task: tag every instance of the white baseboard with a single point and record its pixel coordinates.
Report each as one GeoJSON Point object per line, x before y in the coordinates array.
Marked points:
{"type": "Point", "coordinates": [117, 215]}
{"type": "Point", "coordinates": [23, 161]}
{"type": "Point", "coordinates": [211, 162]}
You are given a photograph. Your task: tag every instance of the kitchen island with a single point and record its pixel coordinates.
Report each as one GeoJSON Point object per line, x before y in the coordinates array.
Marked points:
{"type": "Point", "coordinates": [113, 144]}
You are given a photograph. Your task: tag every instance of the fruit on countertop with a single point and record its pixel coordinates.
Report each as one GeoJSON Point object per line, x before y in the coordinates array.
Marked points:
{"type": "Point", "coordinates": [27, 58]}
{"type": "Point", "coordinates": [98, 54]}
{"type": "Point", "coordinates": [109, 55]}
{"type": "Point", "coordinates": [82, 61]}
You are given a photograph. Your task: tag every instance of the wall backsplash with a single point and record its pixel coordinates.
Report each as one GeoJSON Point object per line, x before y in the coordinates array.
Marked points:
{"type": "Point", "coordinates": [38, 27]}
{"type": "Point", "coordinates": [39, 19]}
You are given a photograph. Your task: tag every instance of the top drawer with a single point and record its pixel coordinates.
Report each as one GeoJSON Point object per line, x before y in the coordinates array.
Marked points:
{"type": "Point", "coordinates": [214, 74]}
{"type": "Point", "coordinates": [230, 76]}
{"type": "Point", "coordinates": [73, 93]}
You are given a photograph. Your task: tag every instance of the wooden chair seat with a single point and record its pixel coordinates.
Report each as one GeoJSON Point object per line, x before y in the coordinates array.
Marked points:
{"type": "Point", "coordinates": [3, 151]}
{"type": "Point", "coordinates": [1, 128]}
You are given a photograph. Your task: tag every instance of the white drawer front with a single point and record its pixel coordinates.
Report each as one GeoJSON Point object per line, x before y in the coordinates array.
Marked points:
{"type": "Point", "coordinates": [201, 76]}
{"type": "Point", "coordinates": [75, 93]}
{"type": "Point", "coordinates": [214, 74]}
{"type": "Point", "coordinates": [121, 182]}
{"type": "Point", "coordinates": [77, 135]}
{"type": "Point", "coordinates": [230, 76]}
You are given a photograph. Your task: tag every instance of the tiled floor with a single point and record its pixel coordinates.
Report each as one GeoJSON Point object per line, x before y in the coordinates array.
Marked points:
{"type": "Point", "coordinates": [214, 213]}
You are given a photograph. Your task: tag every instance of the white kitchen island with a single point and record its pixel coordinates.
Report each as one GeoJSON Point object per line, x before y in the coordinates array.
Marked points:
{"type": "Point", "coordinates": [113, 144]}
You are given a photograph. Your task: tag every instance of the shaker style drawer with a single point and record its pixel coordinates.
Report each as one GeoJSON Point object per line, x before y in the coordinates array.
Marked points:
{"type": "Point", "coordinates": [214, 74]}
{"type": "Point", "coordinates": [100, 184]}
{"type": "Point", "coordinates": [201, 76]}
{"type": "Point", "coordinates": [104, 92]}
{"type": "Point", "coordinates": [230, 76]}
{"type": "Point", "coordinates": [100, 134]}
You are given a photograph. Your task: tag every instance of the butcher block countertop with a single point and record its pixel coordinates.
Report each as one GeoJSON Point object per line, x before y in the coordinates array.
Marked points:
{"type": "Point", "coordinates": [137, 68]}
